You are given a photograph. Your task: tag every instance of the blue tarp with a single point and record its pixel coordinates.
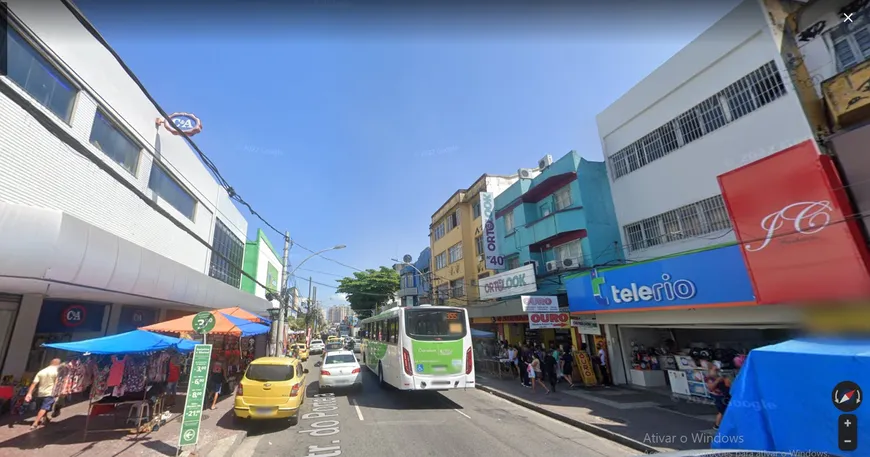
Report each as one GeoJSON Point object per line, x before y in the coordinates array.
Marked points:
{"type": "Point", "coordinates": [782, 399]}
{"type": "Point", "coordinates": [481, 334]}
{"type": "Point", "coordinates": [137, 341]}
{"type": "Point", "coordinates": [247, 327]}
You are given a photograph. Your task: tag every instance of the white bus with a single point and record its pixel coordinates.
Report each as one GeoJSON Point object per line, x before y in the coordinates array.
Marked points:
{"type": "Point", "coordinates": [419, 348]}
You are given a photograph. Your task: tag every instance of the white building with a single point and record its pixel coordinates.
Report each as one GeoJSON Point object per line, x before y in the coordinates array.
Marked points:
{"type": "Point", "coordinates": [105, 218]}
{"type": "Point", "coordinates": [721, 102]}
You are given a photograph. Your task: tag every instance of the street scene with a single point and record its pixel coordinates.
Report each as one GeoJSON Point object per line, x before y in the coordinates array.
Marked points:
{"type": "Point", "coordinates": [336, 228]}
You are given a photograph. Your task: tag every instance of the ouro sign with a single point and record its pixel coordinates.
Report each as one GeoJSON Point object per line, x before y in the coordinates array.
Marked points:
{"type": "Point", "coordinates": [540, 304]}
{"type": "Point", "coordinates": [512, 282]}
{"type": "Point", "coordinates": [549, 320]}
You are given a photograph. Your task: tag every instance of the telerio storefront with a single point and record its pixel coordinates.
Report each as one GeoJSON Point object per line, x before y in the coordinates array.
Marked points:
{"type": "Point", "coordinates": [665, 320]}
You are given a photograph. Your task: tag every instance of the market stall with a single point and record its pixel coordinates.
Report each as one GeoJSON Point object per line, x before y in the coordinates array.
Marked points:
{"type": "Point", "coordinates": [126, 371]}
{"type": "Point", "coordinates": [232, 339]}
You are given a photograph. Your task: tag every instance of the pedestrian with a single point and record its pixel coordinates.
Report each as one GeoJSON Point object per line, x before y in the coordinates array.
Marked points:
{"type": "Point", "coordinates": [536, 375]}
{"type": "Point", "coordinates": [43, 383]}
{"type": "Point", "coordinates": [523, 368]}
{"type": "Point", "coordinates": [602, 363]}
{"type": "Point", "coordinates": [550, 369]}
{"type": "Point", "coordinates": [512, 359]}
{"type": "Point", "coordinates": [216, 383]}
{"type": "Point", "coordinates": [720, 389]}
{"type": "Point", "coordinates": [172, 381]}
{"type": "Point", "coordinates": [567, 365]}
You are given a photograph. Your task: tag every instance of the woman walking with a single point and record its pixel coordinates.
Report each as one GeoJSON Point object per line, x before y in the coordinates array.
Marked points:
{"type": "Point", "coordinates": [536, 375]}
{"type": "Point", "coordinates": [567, 365]}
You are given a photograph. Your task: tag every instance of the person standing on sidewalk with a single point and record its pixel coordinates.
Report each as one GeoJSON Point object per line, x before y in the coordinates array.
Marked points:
{"type": "Point", "coordinates": [567, 366]}
{"type": "Point", "coordinates": [720, 389]}
{"type": "Point", "coordinates": [172, 381]}
{"type": "Point", "coordinates": [216, 383]}
{"type": "Point", "coordinates": [45, 379]}
{"type": "Point", "coordinates": [523, 367]}
{"type": "Point", "coordinates": [602, 363]}
{"type": "Point", "coordinates": [550, 365]}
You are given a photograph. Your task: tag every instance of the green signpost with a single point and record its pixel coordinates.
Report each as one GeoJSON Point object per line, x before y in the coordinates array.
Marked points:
{"type": "Point", "coordinates": [203, 322]}
{"type": "Point", "coordinates": [196, 390]}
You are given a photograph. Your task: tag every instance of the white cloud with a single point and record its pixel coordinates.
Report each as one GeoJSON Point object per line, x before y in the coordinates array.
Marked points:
{"type": "Point", "coordinates": [336, 299]}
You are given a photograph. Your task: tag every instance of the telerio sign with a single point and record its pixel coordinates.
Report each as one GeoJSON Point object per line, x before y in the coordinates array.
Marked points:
{"type": "Point", "coordinates": [540, 304]}
{"type": "Point", "coordinates": [491, 252]}
{"type": "Point", "coordinates": [512, 282]}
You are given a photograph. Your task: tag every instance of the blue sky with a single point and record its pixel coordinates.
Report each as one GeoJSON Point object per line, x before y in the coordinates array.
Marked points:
{"type": "Point", "coordinates": [348, 130]}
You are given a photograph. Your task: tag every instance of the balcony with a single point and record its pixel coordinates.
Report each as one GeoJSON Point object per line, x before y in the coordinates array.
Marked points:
{"type": "Point", "coordinates": [569, 220]}
{"type": "Point", "coordinates": [847, 96]}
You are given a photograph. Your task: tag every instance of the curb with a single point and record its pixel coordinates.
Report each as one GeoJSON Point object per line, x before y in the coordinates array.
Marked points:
{"type": "Point", "coordinates": [585, 426]}
{"type": "Point", "coordinates": [227, 451]}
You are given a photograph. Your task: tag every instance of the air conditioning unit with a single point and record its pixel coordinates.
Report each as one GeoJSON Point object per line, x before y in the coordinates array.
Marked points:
{"type": "Point", "coordinates": [545, 162]}
{"type": "Point", "coordinates": [532, 262]}
{"type": "Point", "coordinates": [552, 266]}
{"type": "Point", "coordinates": [525, 173]}
{"type": "Point", "coordinates": [570, 263]}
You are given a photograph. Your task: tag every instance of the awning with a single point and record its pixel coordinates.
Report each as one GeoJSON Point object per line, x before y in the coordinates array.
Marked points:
{"type": "Point", "coordinates": [246, 315]}
{"type": "Point", "coordinates": [134, 342]}
{"type": "Point", "coordinates": [224, 324]}
{"type": "Point", "coordinates": [481, 334]}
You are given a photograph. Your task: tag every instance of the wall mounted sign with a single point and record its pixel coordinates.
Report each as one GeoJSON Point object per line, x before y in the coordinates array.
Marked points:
{"type": "Point", "coordinates": [549, 320]}
{"type": "Point", "coordinates": [73, 315]}
{"type": "Point", "coordinates": [512, 282]}
{"type": "Point", "coordinates": [491, 252]}
{"type": "Point", "coordinates": [540, 304]}
{"type": "Point", "coordinates": [586, 325]}
{"type": "Point", "coordinates": [182, 124]}
{"type": "Point", "coordinates": [70, 317]}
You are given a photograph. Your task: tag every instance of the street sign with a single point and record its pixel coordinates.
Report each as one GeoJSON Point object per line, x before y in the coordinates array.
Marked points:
{"type": "Point", "coordinates": [196, 389]}
{"type": "Point", "coordinates": [203, 322]}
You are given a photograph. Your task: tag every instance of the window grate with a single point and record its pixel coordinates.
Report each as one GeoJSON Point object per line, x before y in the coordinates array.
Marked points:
{"type": "Point", "coordinates": [226, 267]}
{"type": "Point", "coordinates": [699, 218]}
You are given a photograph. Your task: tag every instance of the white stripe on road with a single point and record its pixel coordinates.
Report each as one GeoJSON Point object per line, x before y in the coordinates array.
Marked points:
{"type": "Point", "coordinates": [358, 411]}
{"type": "Point", "coordinates": [248, 446]}
{"type": "Point", "coordinates": [460, 412]}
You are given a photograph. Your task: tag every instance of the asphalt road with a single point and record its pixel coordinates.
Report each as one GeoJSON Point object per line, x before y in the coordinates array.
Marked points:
{"type": "Point", "coordinates": [387, 423]}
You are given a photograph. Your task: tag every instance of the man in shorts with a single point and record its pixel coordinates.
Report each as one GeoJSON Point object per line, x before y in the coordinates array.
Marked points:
{"type": "Point", "coordinates": [46, 379]}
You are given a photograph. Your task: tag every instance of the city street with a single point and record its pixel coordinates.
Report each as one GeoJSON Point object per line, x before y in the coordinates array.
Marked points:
{"type": "Point", "coordinates": [393, 423]}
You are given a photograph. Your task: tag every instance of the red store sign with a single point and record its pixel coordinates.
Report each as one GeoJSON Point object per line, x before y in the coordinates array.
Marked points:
{"type": "Point", "coordinates": [549, 320]}
{"type": "Point", "coordinates": [794, 222]}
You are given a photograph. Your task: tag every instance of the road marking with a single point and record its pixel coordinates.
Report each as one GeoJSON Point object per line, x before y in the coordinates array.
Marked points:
{"type": "Point", "coordinates": [248, 446]}
{"type": "Point", "coordinates": [358, 411]}
{"type": "Point", "coordinates": [460, 412]}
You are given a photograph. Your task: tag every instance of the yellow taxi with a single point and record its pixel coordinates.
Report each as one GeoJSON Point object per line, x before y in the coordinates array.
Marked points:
{"type": "Point", "coordinates": [333, 339]}
{"type": "Point", "coordinates": [302, 349]}
{"type": "Point", "coordinates": [272, 388]}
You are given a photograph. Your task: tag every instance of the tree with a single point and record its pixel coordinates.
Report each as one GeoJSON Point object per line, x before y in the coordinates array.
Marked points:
{"type": "Point", "coordinates": [366, 290]}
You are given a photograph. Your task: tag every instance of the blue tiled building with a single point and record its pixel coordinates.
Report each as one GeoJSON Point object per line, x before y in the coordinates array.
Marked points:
{"type": "Point", "coordinates": [415, 287]}
{"type": "Point", "coordinates": [561, 221]}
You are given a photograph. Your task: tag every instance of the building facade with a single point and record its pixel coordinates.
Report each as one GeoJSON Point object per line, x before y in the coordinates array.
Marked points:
{"type": "Point", "coordinates": [455, 240]}
{"type": "Point", "coordinates": [550, 226]}
{"type": "Point", "coordinates": [107, 219]}
{"type": "Point", "coordinates": [262, 262]}
{"type": "Point", "coordinates": [338, 314]}
{"type": "Point", "coordinates": [415, 280]}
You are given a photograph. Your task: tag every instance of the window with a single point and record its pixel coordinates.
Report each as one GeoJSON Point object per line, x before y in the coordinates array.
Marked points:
{"type": "Point", "coordinates": [441, 260]}
{"type": "Point", "coordinates": [226, 260]}
{"type": "Point", "coordinates": [442, 292]}
{"type": "Point", "coordinates": [509, 222]}
{"type": "Point", "coordinates": [457, 288]}
{"type": "Point", "coordinates": [170, 191]}
{"type": "Point", "coordinates": [762, 86]}
{"type": "Point", "coordinates": [562, 198]}
{"type": "Point", "coordinates": [569, 250]}
{"type": "Point", "coordinates": [699, 218]}
{"type": "Point", "coordinates": [475, 210]}
{"type": "Point", "coordinates": [269, 373]}
{"type": "Point", "coordinates": [455, 252]}
{"type": "Point", "coordinates": [852, 40]}
{"type": "Point", "coordinates": [453, 220]}
{"type": "Point", "coordinates": [439, 231]}
{"type": "Point", "coordinates": [478, 243]}
{"type": "Point", "coordinates": [513, 262]}
{"type": "Point", "coordinates": [392, 330]}
{"type": "Point", "coordinates": [32, 72]}
{"type": "Point", "coordinates": [336, 359]}
{"type": "Point", "coordinates": [437, 325]}
{"type": "Point", "coordinates": [109, 139]}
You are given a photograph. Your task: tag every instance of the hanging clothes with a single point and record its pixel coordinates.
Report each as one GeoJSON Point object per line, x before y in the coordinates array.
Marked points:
{"type": "Point", "coordinates": [135, 375]}
{"type": "Point", "coordinates": [116, 374]}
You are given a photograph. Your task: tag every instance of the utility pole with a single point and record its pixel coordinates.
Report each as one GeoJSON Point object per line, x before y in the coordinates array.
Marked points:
{"type": "Point", "coordinates": [314, 304]}
{"type": "Point", "coordinates": [284, 298]}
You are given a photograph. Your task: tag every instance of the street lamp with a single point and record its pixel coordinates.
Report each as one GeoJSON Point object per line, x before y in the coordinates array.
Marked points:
{"type": "Point", "coordinates": [408, 263]}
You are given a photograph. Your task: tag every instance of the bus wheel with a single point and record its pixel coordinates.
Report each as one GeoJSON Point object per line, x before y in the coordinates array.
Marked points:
{"type": "Point", "coordinates": [381, 382]}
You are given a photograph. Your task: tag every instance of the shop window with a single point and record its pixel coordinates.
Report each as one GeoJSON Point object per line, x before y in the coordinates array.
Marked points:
{"type": "Point", "coordinates": [36, 76]}
{"type": "Point", "coordinates": [114, 143]}
{"type": "Point", "coordinates": [227, 256]}
{"type": "Point", "coordinates": [168, 189]}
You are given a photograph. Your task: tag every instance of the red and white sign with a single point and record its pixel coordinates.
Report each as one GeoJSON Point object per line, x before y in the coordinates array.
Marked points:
{"type": "Point", "coordinates": [539, 304]}
{"type": "Point", "coordinates": [549, 320]}
{"type": "Point", "coordinates": [794, 222]}
{"type": "Point", "coordinates": [74, 315]}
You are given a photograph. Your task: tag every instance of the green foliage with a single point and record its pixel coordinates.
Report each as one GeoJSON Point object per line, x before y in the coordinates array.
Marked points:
{"type": "Point", "coordinates": [366, 290]}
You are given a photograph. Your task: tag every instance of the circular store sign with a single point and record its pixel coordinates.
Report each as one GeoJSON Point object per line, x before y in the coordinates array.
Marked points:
{"type": "Point", "coordinates": [182, 124]}
{"type": "Point", "coordinates": [73, 315]}
{"type": "Point", "coordinates": [203, 322]}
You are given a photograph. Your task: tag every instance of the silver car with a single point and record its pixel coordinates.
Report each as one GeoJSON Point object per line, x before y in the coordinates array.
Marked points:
{"type": "Point", "coordinates": [340, 369]}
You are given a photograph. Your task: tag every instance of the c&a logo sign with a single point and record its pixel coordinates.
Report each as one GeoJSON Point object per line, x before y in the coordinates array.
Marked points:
{"type": "Point", "coordinates": [73, 315]}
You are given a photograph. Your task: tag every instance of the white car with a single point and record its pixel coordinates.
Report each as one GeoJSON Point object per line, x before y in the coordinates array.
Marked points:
{"type": "Point", "coordinates": [316, 347]}
{"type": "Point", "coordinates": [340, 369]}
{"type": "Point", "coordinates": [357, 344]}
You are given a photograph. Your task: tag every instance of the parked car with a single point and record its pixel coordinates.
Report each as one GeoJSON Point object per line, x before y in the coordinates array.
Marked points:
{"type": "Point", "coordinates": [340, 369]}
{"type": "Point", "coordinates": [302, 349]}
{"type": "Point", "coordinates": [272, 388]}
{"type": "Point", "coordinates": [316, 347]}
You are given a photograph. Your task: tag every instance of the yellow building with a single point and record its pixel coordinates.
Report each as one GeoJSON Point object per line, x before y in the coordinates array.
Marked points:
{"type": "Point", "coordinates": [457, 245]}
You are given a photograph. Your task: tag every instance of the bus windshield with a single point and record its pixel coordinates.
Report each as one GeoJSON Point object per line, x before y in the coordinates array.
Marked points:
{"type": "Point", "coordinates": [435, 324]}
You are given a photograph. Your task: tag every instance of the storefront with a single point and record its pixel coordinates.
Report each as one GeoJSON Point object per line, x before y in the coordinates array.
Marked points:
{"type": "Point", "coordinates": [132, 318]}
{"type": "Point", "coordinates": [63, 321]}
{"type": "Point", "coordinates": [665, 320]}
{"type": "Point", "coordinates": [9, 305]}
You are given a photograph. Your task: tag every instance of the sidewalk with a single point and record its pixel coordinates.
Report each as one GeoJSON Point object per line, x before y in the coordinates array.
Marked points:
{"type": "Point", "coordinates": [646, 421]}
{"type": "Point", "coordinates": [64, 436]}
